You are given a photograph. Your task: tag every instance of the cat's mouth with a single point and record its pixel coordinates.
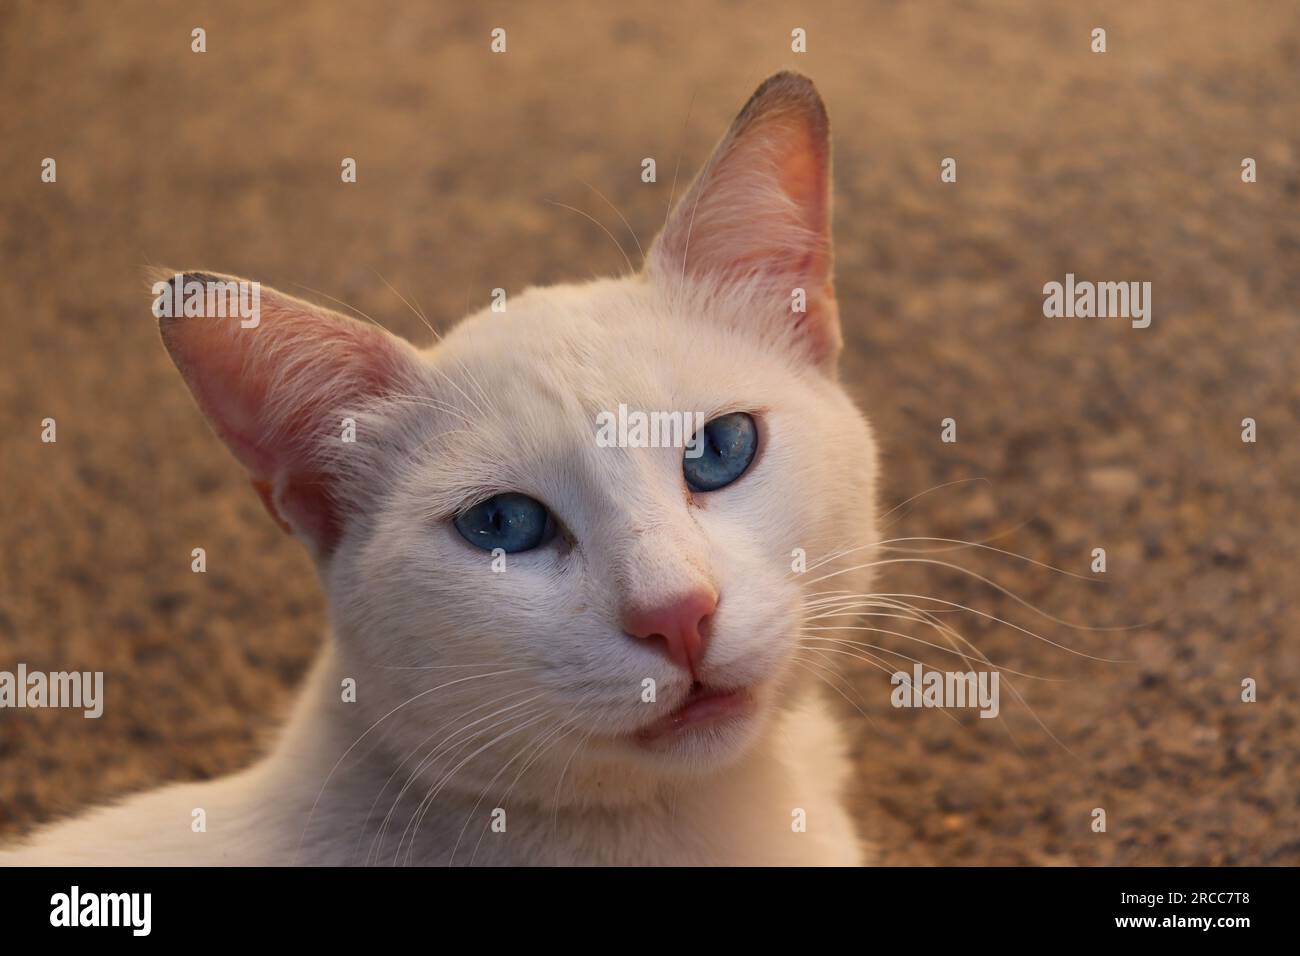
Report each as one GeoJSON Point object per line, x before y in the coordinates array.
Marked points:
{"type": "Point", "coordinates": [703, 707]}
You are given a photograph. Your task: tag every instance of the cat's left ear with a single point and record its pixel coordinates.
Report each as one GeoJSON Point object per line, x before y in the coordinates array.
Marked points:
{"type": "Point", "coordinates": [758, 216]}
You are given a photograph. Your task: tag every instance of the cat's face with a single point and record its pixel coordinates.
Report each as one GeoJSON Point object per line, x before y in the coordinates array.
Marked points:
{"type": "Point", "coordinates": [644, 602]}
{"type": "Point", "coordinates": [527, 387]}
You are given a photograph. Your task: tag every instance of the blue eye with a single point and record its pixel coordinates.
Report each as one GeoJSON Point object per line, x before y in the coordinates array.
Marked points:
{"type": "Point", "coordinates": [510, 521]}
{"type": "Point", "coordinates": [728, 446]}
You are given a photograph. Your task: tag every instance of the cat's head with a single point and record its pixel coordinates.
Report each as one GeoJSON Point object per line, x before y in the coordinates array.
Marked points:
{"type": "Point", "coordinates": [503, 555]}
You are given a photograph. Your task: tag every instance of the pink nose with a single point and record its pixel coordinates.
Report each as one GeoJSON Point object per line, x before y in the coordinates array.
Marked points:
{"type": "Point", "coordinates": [679, 625]}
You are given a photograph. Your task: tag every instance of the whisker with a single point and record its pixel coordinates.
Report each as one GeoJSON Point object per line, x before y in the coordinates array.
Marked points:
{"type": "Point", "coordinates": [874, 662]}
{"type": "Point", "coordinates": [416, 749]}
{"type": "Point", "coordinates": [954, 638]}
{"type": "Point", "coordinates": [530, 745]}
{"type": "Point", "coordinates": [449, 753]}
{"type": "Point", "coordinates": [946, 484]}
{"type": "Point", "coordinates": [418, 314]}
{"type": "Point", "coordinates": [433, 404]}
{"type": "Point", "coordinates": [419, 310]}
{"type": "Point", "coordinates": [958, 544]}
{"type": "Point", "coordinates": [810, 665]}
{"type": "Point", "coordinates": [349, 307]}
{"type": "Point", "coordinates": [888, 546]}
{"type": "Point", "coordinates": [438, 750]}
{"type": "Point", "coordinates": [672, 191]}
{"type": "Point", "coordinates": [537, 748]}
{"type": "Point", "coordinates": [1011, 624]}
{"type": "Point", "coordinates": [428, 801]}
{"type": "Point", "coordinates": [925, 643]}
{"type": "Point", "coordinates": [620, 215]}
{"type": "Point", "coordinates": [366, 733]}
{"type": "Point", "coordinates": [1018, 696]}
{"type": "Point", "coordinates": [584, 215]}
{"type": "Point", "coordinates": [452, 382]}
{"type": "Point", "coordinates": [559, 785]}
{"type": "Point", "coordinates": [993, 584]}
{"type": "Point", "coordinates": [537, 755]}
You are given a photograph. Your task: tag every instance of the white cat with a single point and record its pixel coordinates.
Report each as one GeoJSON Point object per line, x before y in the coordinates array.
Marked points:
{"type": "Point", "coordinates": [563, 653]}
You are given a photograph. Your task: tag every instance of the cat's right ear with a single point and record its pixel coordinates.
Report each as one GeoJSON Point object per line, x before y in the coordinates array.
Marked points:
{"type": "Point", "coordinates": [274, 378]}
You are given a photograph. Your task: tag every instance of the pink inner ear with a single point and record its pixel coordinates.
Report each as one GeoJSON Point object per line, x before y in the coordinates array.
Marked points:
{"type": "Point", "coordinates": [272, 393]}
{"type": "Point", "coordinates": [803, 171]}
{"type": "Point", "coordinates": [761, 209]}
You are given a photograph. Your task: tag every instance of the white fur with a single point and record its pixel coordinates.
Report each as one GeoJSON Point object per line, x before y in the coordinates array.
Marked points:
{"type": "Point", "coordinates": [480, 690]}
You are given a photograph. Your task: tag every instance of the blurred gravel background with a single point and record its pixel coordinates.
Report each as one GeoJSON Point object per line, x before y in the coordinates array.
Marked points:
{"type": "Point", "coordinates": [1086, 433]}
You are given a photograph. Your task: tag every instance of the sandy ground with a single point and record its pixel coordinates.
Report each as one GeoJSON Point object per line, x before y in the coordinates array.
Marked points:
{"type": "Point", "coordinates": [1086, 434]}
